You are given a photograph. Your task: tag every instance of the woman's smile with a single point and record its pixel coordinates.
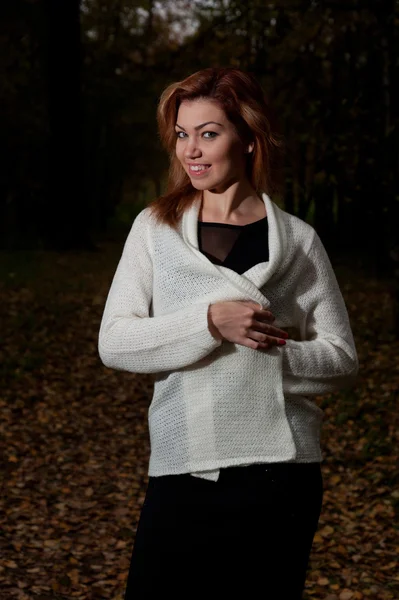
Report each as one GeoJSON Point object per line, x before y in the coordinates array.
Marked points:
{"type": "Point", "coordinates": [198, 170]}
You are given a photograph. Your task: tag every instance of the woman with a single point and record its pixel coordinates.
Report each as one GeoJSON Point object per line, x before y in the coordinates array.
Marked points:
{"type": "Point", "coordinates": [210, 275]}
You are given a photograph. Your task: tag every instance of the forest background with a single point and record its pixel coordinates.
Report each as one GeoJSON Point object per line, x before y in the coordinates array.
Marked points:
{"type": "Point", "coordinates": [80, 82]}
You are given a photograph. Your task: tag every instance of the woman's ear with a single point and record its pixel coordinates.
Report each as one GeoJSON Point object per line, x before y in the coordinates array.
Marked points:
{"type": "Point", "coordinates": [250, 148]}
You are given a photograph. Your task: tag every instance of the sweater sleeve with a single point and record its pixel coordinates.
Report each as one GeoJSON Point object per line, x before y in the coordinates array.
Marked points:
{"type": "Point", "coordinates": [129, 339]}
{"type": "Point", "coordinates": [326, 359]}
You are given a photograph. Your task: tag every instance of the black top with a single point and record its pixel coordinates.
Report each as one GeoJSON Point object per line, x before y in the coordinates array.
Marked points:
{"type": "Point", "coordinates": [238, 247]}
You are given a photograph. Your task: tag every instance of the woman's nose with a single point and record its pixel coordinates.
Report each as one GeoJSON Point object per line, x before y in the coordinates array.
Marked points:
{"type": "Point", "coordinates": [192, 150]}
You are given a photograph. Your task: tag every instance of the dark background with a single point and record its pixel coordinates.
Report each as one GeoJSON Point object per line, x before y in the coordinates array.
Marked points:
{"type": "Point", "coordinates": [80, 82]}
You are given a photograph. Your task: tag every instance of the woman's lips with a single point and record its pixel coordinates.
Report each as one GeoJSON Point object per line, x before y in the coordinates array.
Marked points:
{"type": "Point", "coordinates": [197, 173]}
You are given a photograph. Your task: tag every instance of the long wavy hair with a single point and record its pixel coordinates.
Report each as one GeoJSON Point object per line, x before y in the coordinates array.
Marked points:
{"type": "Point", "coordinates": [245, 105]}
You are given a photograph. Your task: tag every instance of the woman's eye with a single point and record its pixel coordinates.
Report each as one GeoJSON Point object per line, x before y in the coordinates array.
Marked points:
{"type": "Point", "coordinates": [212, 134]}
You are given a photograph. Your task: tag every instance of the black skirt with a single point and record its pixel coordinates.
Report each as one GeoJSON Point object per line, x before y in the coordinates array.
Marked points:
{"type": "Point", "coordinates": [247, 535]}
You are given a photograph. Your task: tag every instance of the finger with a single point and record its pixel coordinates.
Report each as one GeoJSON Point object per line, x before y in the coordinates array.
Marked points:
{"type": "Point", "coordinates": [265, 341]}
{"type": "Point", "coordinates": [275, 341]}
{"type": "Point", "coordinates": [264, 345]}
{"type": "Point", "coordinates": [264, 315]}
{"type": "Point", "coordinates": [273, 331]}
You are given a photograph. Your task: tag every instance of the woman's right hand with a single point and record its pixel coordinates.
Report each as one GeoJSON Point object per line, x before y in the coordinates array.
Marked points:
{"type": "Point", "coordinates": [243, 322]}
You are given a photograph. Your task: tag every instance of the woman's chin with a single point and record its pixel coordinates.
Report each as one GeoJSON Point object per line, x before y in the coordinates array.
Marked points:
{"type": "Point", "coordinates": [200, 185]}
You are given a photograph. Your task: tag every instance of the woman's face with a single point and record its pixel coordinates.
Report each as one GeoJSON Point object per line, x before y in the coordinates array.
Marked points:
{"type": "Point", "coordinates": [208, 146]}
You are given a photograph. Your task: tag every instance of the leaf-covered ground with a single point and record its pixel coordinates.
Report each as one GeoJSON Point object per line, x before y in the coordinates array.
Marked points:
{"type": "Point", "coordinates": [75, 445]}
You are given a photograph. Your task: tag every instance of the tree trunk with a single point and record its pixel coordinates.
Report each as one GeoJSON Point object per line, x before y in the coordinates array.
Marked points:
{"type": "Point", "coordinates": [65, 212]}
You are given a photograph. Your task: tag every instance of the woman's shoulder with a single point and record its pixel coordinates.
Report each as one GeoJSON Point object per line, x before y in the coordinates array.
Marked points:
{"type": "Point", "coordinates": [143, 216]}
{"type": "Point", "coordinates": [147, 218]}
{"type": "Point", "coordinates": [144, 222]}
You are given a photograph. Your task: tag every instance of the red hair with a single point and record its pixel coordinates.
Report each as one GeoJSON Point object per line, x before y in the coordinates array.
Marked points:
{"type": "Point", "coordinates": [245, 105]}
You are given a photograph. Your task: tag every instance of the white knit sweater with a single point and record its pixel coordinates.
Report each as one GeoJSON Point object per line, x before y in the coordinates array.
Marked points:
{"type": "Point", "coordinates": [216, 403]}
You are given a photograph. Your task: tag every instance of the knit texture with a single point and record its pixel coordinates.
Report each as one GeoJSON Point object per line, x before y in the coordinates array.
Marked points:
{"type": "Point", "coordinates": [216, 403]}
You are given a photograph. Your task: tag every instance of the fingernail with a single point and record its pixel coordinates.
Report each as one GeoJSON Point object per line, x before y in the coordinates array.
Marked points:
{"type": "Point", "coordinates": [282, 342]}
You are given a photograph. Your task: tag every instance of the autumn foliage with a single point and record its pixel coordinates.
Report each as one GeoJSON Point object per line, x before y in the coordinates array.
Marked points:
{"type": "Point", "coordinates": [75, 445]}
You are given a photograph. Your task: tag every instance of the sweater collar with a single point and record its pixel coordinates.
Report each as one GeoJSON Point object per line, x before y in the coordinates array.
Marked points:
{"type": "Point", "coordinates": [251, 280]}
